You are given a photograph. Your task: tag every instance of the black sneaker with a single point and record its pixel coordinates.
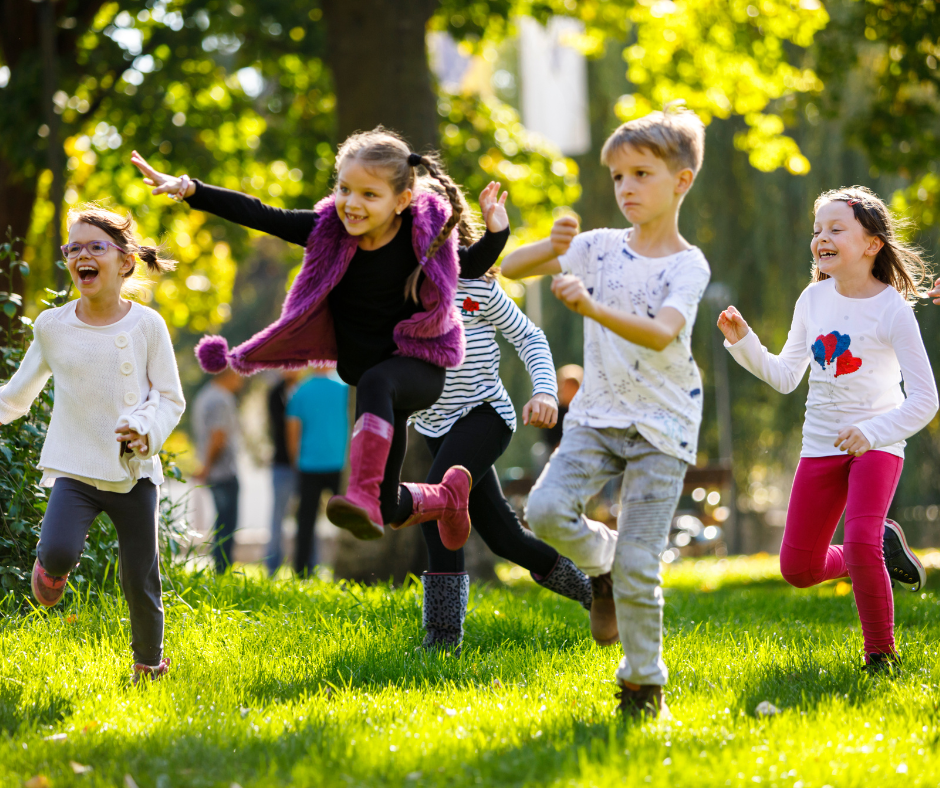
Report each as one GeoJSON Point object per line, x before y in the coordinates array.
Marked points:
{"type": "Point", "coordinates": [879, 663]}
{"type": "Point", "coordinates": [903, 566]}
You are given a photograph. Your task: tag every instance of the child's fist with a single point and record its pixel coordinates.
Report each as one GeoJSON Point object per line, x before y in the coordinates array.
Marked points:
{"type": "Point", "coordinates": [935, 293]}
{"type": "Point", "coordinates": [564, 230]}
{"type": "Point", "coordinates": [540, 411]}
{"type": "Point", "coordinates": [732, 325]}
{"type": "Point", "coordinates": [493, 207]}
{"type": "Point", "coordinates": [852, 441]}
{"type": "Point", "coordinates": [573, 294]}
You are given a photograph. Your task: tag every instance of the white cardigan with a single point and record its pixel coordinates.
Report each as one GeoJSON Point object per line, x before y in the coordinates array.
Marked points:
{"type": "Point", "coordinates": [104, 376]}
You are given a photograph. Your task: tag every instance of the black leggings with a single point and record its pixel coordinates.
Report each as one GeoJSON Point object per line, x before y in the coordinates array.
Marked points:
{"type": "Point", "coordinates": [394, 389]}
{"type": "Point", "coordinates": [476, 441]}
{"type": "Point", "coordinates": [72, 508]}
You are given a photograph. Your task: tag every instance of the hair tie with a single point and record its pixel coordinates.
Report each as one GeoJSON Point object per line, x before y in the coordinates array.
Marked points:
{"type": "Point", "coordinates": [853, 202]}
{"type": "Point", "coordinates": [414, 159]}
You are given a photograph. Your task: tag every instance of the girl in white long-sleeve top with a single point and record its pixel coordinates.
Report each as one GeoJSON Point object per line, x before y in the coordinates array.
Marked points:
{"type": "Point", "coordinates": [117, 399]}
{"type": "Point", "coordinates": [855, 329]}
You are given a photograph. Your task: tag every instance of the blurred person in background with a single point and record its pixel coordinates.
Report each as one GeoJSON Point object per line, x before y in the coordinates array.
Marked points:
{"type": "Point", "coordinates": [283, 475]}
{"type": "Point", "coordinates": [215, 423]}
{"type": "Point", "coordinates": [317, 432]}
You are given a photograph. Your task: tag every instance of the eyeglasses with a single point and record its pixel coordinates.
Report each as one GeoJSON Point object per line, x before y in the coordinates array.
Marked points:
{"type": "Point", "coordinates": [95, 248]}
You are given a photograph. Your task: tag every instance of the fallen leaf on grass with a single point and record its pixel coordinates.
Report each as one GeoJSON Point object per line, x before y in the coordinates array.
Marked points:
{"type": "Point", "coordinates": [766, 709]}
{"type": "Point", "coordinates": [90, 726]}
{"type": "Point", "coordinates": [79, 768]}
{"type": "Point", "coordinates": [39, 781]}
{"type": "Point", "coordinates": [71, 618]}
{"type": "Point", "coordinates": [497, 684]}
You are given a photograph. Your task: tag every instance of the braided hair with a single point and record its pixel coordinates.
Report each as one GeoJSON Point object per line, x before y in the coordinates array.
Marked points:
{"type": "Point", "coordinates": [388, 151]}
{"type": "Point", "coordinates": [898, 264]}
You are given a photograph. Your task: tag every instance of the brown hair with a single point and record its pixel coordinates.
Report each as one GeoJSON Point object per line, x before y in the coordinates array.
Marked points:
{"type": "Point", "coordinates": [121, 230]}
{"type": "Point", "coordinates": [385, 150]}
{"type": "Point", "coordinates": [676, 135]}
{"type": "Point", "coordinates": [898, 264]}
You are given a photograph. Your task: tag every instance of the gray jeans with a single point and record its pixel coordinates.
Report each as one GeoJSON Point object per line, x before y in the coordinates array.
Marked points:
{"type": "Point", "coordinates": [652, 483]}
{"type": "Point", "coordinates": [72, 508]}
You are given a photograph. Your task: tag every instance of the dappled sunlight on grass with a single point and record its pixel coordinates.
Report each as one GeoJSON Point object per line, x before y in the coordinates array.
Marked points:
{"type": "Point", "coordinates": [277, 682]}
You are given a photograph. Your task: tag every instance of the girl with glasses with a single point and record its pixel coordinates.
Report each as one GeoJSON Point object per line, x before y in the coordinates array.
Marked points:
{"type": "Point", "coordinates": [117, 398]}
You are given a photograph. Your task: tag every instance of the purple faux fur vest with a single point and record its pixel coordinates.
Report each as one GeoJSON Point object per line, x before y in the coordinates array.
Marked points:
{"type": "Point", "coordinates": [303, 335]}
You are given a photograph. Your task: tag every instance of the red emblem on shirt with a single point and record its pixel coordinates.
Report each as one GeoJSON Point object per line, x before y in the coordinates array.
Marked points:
{"type": "Point", "coordinates": [469, 305]}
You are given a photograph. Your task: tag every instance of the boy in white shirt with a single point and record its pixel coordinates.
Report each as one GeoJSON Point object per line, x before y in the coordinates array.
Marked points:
{"type": "Point", "coordinates": [640, 406]}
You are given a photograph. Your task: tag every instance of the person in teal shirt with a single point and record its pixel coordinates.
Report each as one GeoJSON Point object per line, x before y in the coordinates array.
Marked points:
{"type": "Point", "coordinates": [317, 437]}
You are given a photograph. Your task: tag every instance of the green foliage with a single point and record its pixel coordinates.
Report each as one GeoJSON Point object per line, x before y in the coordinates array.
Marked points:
{"type": "Point", "coordinates": [287, 683]}
{"type": "Point", "coordinates": [723, 58]}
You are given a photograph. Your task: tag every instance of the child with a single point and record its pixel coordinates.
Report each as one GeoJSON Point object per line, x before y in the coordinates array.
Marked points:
{"type": "Point", "coordinates": [640, 405]}
{"type": "Point", "coordinates": [471, 425]}
{"type": "Point", "coordinates": [375, 299]}
{"type": "Point", "coordinates": [117, 398]}
{"type": "Point", "coordinates": [856, 331]}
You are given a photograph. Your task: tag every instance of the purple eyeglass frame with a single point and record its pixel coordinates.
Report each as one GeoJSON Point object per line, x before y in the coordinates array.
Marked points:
{"type": "Point", "coordinates": [84, 246]}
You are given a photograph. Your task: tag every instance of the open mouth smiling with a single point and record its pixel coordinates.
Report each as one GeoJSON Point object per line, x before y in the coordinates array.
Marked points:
{"type": "Point", "coordinates": [87, 273]}
{"type": "Point", "coordinates": [826, 254]}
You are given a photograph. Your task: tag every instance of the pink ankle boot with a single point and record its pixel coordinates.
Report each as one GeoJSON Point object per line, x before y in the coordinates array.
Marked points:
{"type": "Point", "coordinates": [358, 511]}
{"type": "Point", "coordinates": [445, 502]}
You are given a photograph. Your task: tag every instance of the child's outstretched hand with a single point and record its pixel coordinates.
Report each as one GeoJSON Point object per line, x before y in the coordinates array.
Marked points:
{"type": "Point", "coordinates": [564, 230]}
{"type": "Point", "coordinates": [135, 440]}
{"type": "Point", "coordinates": [732, 325]}
{"type": "Point", "coordinates": [573, 294]}
{"type": "Point", "coordinates": [935, 293]}
{"type": "Point", "coordinates": [179, 188]}
{"type": "Point", "coordinates": [540, 411]}
{"type": "Point", "coordinates": [493, 206]}
{"type": "Point", "coordinates": [852, 441]}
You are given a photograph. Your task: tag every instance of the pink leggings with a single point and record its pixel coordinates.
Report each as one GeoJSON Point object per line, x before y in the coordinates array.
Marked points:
{"type": "Point", "coordinates": [821, 488]}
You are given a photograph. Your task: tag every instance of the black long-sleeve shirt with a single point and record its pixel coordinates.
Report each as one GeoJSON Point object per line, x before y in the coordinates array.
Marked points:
{"type": "Point", "coordinates": [369, 301]}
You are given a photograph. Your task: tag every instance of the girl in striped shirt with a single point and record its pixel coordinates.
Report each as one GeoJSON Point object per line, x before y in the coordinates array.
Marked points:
{"type": "Point", "coordinates": [471, 425]}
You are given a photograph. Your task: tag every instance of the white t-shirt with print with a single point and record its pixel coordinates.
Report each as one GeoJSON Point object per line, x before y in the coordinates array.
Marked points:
{"type": "Point", "coordinates": [858, 350]}
{"type": "Point", "coordinates": [659, 392]}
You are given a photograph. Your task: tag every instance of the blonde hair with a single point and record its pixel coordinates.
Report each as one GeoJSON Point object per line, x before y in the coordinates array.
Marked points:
{"type": "Point", "coordinates": [121, 230]}
{"type": "Point", "coordinates": [898, 264]}
{"type": "Point", "coordinates": [385, 150]}
{"type": "Point", "coordinates": [676, 135]}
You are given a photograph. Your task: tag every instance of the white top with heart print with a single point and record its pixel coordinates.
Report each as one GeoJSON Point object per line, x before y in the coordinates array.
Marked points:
{"type": "Point", "coordinates": [859, 351]}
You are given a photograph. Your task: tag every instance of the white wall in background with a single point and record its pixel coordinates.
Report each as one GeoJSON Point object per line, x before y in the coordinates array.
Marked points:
{"type": "Point", "coordinates": [554, 83]}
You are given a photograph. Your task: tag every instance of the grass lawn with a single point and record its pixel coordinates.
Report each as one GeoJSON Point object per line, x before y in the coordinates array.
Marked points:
{"type": "Point", "coordinates": [280, 682]}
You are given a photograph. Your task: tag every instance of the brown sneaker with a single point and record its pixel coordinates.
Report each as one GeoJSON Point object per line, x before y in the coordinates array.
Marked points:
{"type": "Point", "coordinates": [646, 700]}
{"type": "Point", "coordinates": [603, 615]}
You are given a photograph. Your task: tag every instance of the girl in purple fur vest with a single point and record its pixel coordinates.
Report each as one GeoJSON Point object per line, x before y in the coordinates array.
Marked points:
{"type": "Point", "coordinates": [375, 299]}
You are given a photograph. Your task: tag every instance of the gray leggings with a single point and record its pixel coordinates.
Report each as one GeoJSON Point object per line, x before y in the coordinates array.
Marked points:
{"type": "Point", "coordinates": [73, 507]}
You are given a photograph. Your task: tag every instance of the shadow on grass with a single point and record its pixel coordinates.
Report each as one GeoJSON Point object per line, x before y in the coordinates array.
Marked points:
{"type": "Point", "coordinates": [14, 714]}
{"type": "Point", "coordinates": [318, 754]}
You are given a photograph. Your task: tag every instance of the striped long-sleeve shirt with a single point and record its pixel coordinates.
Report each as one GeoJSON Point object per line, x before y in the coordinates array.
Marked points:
{"type": "Point", "coordinates": [484, 308]}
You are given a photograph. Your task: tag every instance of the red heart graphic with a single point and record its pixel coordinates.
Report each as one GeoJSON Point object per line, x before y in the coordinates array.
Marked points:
{"type": "Point", "coordinates": [470, 305]}
{"type": "Point", "coordinates": [829, 341]}
{"type": "Point", "coordinates": [846, 364]}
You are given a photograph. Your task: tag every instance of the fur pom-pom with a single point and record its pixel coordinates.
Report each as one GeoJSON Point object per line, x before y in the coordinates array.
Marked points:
{"type": "Point", "coordinates": [212, 354]}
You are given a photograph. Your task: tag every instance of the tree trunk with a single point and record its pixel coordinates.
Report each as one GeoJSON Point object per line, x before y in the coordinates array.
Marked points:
{"type": "Point", "coordinates": [378, 57]}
